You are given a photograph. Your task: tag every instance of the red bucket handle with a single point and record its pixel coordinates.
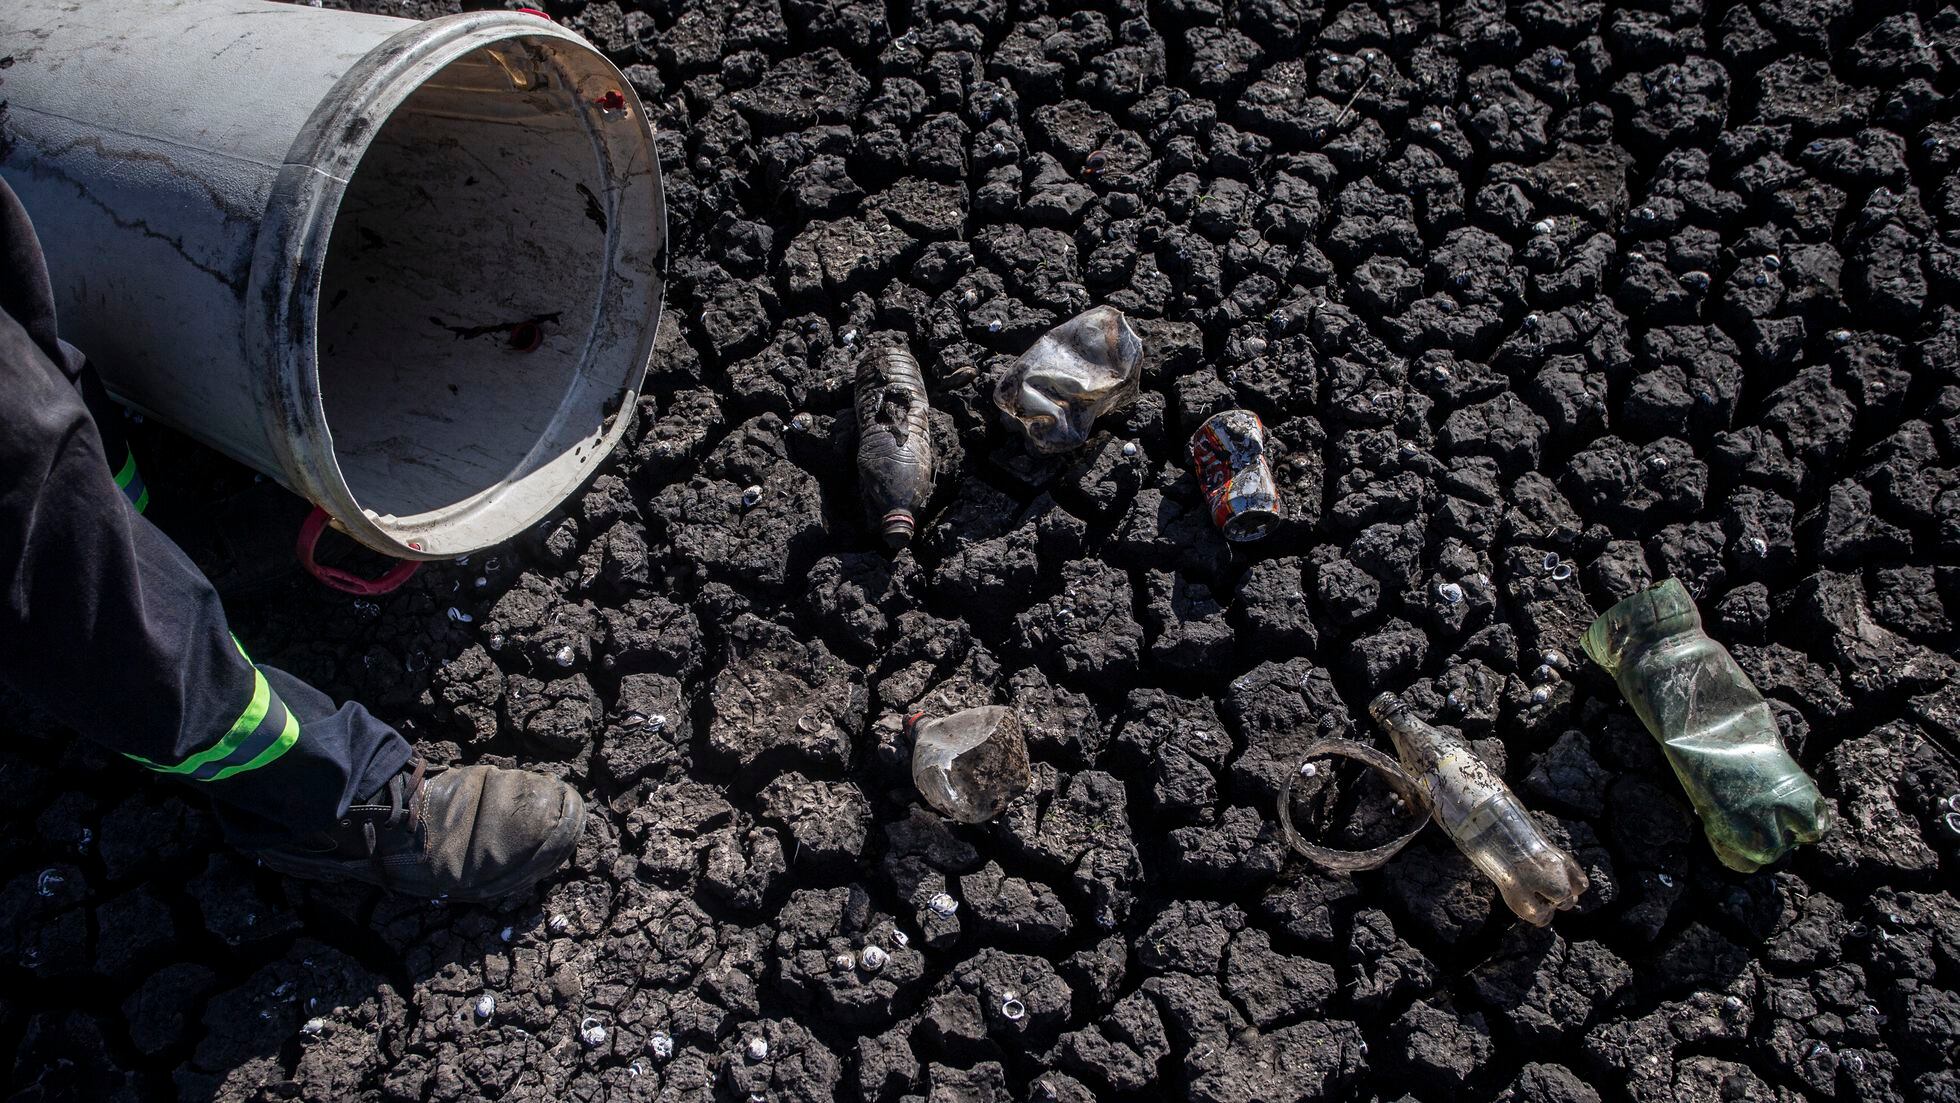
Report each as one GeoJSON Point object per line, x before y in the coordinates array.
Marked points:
{"type": "Point", "coordinates": [310, 532]}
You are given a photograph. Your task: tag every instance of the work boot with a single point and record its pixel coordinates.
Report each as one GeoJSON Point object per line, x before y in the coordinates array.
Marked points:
{"type": "Point", "coordinates": [466, 833]}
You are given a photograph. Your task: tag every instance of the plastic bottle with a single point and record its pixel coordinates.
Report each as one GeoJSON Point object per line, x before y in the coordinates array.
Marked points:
{"type": "Point", "coordinates": [1754, 801]}
{"type": "Point", "coordinates": [1480, 812]}
{"type": "Point", "coordinates": [972, 764]}
{"type": "Point", "coordinates": [895, 460]}
{"type": "Point", "coordinates": [1088, 365]}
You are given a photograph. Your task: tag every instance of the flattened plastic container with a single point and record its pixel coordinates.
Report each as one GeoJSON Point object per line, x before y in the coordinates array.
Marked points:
{"type": "Point", "coordinates": [1755, 802]}
{"type": "Point", "coordinates": [410, 270]}
{"type": "Point", "coordinates": [972, 764]}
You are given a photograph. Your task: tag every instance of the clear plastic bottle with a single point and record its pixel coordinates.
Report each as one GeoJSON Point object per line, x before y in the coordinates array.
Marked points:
{"type": "Point", "coordinates": [1720, 736]}
{"type": "Point", "coordinates": [972, 764]}
{"type": "Point", "coordinates": [1087, 366]}
{"type": "Point", "coordinates": [1480, 812]}
{"type": "Point", "coordinates": [895, 458]}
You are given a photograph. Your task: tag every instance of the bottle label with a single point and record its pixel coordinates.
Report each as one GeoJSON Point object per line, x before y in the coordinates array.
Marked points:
{"type": "Point", "coordinates": [1457, 783]}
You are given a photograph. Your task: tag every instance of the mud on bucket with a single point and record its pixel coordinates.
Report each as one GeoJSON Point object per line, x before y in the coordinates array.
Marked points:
{"type": "Point", "coordinates": [410, 270]}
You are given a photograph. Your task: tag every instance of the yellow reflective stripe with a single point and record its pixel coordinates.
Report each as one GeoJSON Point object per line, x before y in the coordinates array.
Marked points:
{"type": "Point", "coordinates": [128, 471]}
{"type": "Point", "coordinates": [287, 737]}
{"type": "Point", "coordinates": [248, 722]}
{"type": "Point", "coordinates": [143, 500]}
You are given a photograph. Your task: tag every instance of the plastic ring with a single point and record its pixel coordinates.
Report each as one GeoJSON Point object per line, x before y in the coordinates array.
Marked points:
{"type": "Point", "coordinates": [1352, 861]}
{"type": "Point", "coordinates": [310, 532]}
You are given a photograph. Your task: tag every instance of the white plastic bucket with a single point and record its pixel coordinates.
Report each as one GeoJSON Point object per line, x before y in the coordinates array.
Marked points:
{"type": "Point", "coordinates": [325, 243]}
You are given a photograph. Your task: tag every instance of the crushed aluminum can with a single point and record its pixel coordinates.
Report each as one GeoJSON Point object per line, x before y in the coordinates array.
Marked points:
{"type": "Point", "coordinates": [1229, 453]}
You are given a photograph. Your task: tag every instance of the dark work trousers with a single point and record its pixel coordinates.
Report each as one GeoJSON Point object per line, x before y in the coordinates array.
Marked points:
{"type": "Point", "coordinates": [111, 628]}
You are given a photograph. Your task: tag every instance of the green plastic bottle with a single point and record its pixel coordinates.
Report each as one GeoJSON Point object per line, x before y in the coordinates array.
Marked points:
{"type": "Point", "coordinates": [1754, 801]}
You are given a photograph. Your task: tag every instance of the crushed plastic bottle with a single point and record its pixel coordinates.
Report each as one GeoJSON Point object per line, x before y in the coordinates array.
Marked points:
{"type": "Point", "coordinates": [972, 764]}
{"type": "Point", "coordinates": [895, 459]}
{"type": "Point", "coordinates": [1754, 801]}
{"type": "Point", "coordinates": [1483, 816]}
{"type": "Point", "coordinates": [1081, 369]}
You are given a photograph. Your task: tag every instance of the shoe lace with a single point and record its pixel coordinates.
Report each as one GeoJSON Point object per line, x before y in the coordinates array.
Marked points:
{"type": "Point", "coordinates": [403, 808]}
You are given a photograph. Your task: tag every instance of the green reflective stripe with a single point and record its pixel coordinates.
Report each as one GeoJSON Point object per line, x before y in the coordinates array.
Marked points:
{"type": "Point", "coordinates": [248, 722]}
{"type": "Point", "coordinates": [131, 483]}
{"type": "Point", "coordinates": [288, 736]}
{"type": "Point", "coordinates": [263, 732]}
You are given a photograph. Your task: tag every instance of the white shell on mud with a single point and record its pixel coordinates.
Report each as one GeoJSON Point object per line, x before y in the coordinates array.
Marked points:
{"type": "Point", "coordinates": [592, 1032]}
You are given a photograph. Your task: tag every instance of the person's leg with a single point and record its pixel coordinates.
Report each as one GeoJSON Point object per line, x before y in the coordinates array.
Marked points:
{"type": "Point", "coordinates": [109, 627]}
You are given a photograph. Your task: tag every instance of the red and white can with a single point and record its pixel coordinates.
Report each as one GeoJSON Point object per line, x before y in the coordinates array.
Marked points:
{"type": "Point", "coordinates": [1229, 453]}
